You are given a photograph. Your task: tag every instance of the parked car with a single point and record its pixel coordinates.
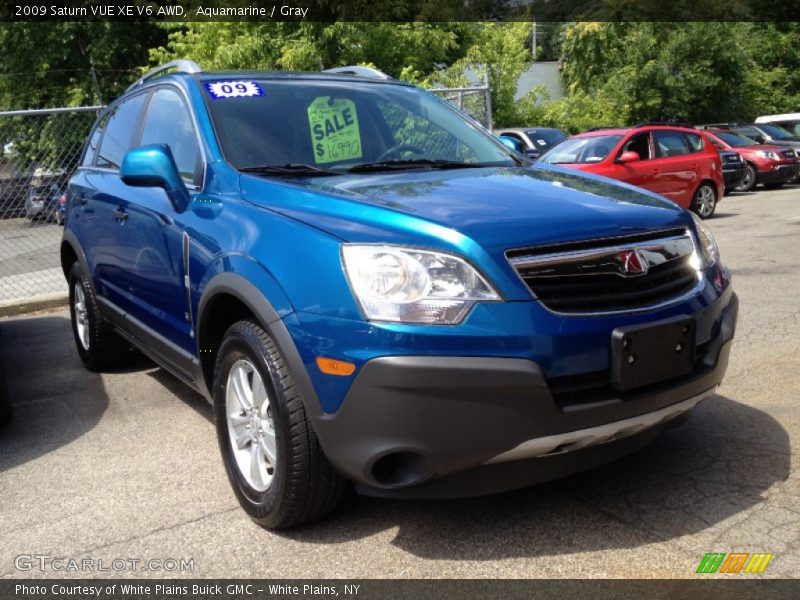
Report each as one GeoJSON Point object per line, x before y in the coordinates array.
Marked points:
{"type": "Point", "coordinates": [734, 169]}
{"type": "Point", "coordinates": [535, 140]}
{"type": "Point", "coordinates": [670, 160]}
{"type": "Point", "coordinates": [788, 121]}
{"type": "Point", "coordinates": [371, 288]}
{"type": "Point", "coordinates": [760, 133]}
{"type": "Point", "coordinates": [513, 144]}
{"type": "Point", "coordinates": [42, 201]}
{"type": "Point", "coordinates": [769, 165]}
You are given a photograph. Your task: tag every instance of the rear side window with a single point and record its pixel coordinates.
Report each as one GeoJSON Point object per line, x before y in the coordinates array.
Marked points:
{"type": "Point", "coordinates": [695, 142]}
{"type": "Point", "coordinates": [168, 122]}
{"type": "Point", "coordinates": [670, 143]}
{"type": "Point", "coordinates": [94, 142]}
{"type": "Point", "coordinates": [119, 132]}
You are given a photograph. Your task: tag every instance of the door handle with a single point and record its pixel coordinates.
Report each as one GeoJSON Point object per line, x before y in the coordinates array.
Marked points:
{"type": "Point", "coordinates": [120, 214]}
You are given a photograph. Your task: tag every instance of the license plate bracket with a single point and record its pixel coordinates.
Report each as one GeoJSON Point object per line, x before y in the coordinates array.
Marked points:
{"type": "Point", "coordinates": [642, 355]}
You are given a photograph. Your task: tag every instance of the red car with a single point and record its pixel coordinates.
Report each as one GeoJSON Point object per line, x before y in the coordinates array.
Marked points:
{"type": "Point", "coordinates": [676, 162]}
{"type": "Point", "coordinates": [771, 166]}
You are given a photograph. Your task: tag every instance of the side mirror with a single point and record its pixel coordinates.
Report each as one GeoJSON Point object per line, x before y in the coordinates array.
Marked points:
{"type": "Point", "coordinates": [629, 156]}
{"type": "Point", "coordinates": [154, 166]}
{"type": "Point", "coordinates": [513, 144]}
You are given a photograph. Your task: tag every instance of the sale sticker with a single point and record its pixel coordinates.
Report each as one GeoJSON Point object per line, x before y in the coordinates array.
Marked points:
{"type": "Point", "coordinates": [233, 89]}
{"type": "Point", "coordinates": [335, 134]}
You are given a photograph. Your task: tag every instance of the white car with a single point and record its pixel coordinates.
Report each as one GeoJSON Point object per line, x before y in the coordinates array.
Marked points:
{"type": "Point", "coordinates": [789, 121]}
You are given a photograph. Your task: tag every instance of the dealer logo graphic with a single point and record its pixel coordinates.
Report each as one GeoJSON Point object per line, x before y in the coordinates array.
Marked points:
{"type": "Point", "coordinates": [735, 562]}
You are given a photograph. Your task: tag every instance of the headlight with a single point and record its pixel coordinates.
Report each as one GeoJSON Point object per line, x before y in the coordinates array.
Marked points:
{"type": "Point", "coordinates": [407, 285]}
{"type": "Point", "coordinates": [707, 250]}
{"type": "Point", "coordinates": [769, 154]}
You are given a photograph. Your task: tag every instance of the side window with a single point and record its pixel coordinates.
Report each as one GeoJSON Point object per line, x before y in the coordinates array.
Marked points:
{"type": "Point", "coordinates": [695, 142]}
{"type": "Point", "coordinates": [168, 122]}
{"type": "Point", "coordinates": [639, 143]}
{"type": "Point", "coordinates": [670, 143]}
{"type": "Point", "coordinates": [119, 132]}
{"type": "Point", "coordinates": [94, 141]}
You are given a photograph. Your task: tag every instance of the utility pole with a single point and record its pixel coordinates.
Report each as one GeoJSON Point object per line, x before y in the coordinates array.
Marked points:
{"type": "Point", "coordinates": [533, 39]}
{"type": "Point", "coordinates": [96, 85]}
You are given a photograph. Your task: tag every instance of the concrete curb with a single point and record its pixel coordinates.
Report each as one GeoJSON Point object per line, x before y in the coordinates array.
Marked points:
{"type": "Point", "coordinates": [23, 306]}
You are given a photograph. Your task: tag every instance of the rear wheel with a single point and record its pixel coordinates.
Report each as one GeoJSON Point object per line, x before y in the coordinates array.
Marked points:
{"type": "Point", "coordinates": [748, 182]}
{"type": "Point", "coordinates": [271, 454]}
{"type": "Point", "coordinates": [705, 201]}
{"type": "Point", "coordinates": [98, 346]}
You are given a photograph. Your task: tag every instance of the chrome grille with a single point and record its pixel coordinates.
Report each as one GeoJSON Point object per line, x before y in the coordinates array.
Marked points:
{"type": "Point", "coordinates": [610, 275]}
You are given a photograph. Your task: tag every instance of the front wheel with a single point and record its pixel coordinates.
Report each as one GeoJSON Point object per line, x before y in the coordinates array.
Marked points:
{"type": "Point", "coordinates": [705, 201]}
{"type": "Point", "coordinates": [748, 181]}
{"type": "Point", "coordinates": [271, 454]}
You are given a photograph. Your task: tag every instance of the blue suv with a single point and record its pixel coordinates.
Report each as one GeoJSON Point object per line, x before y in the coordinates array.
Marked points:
{"type": "Point", "coordinates": [372, 288]}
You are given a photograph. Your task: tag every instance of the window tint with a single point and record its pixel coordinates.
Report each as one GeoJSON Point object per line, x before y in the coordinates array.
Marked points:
{"type": "Point", "coordinates": [735, 140]}
{"type": "Point", "coordinates": [340, 126]}
{"type": "Point", "coordinates": [94, 142]}
{"type": "Point", "coordinates": [168, 122]}
{"type": "Point", "coordinates": [670, 143]}
{"type": "Point", "coordinates": [695, 142]}
{"type": "Point", "coordinates": [421, 130]}
{"type": "Point", "coordinates": [578, 150]}
{"type": "Point", "coordinates": [119, 132]}
{"type": "Point", "coordinates": [639, 143]}
{"type": "Point", "coordinates": [546, 139]}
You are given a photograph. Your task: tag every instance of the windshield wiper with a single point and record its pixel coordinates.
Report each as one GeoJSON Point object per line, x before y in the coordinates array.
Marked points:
{"type": "Point", "coordinates": [289, 169]}
{"type": "Point", "coordinates": [400, 164]}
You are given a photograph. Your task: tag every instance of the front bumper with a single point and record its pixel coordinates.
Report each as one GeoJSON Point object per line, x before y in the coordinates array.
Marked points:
{"type": "Point", "coordinates": [783, 173]}
{"type": "Point", "coordinates": [414, 425]}
{"type": "Point", "coordinates": [732, 176]}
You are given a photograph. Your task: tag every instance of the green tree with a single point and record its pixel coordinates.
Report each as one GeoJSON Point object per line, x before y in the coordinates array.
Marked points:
{"type": "Point", "coordinates": [687, 71]}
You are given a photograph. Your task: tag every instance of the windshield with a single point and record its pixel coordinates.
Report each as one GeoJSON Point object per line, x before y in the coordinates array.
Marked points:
{"type": "Point", "coordinates": [335, 126]}
{"type": "Point", "coordinates": [778, 133]}
{"type": "Point", "coordinates": [546, 139]}
{"type": "Point", "coordinates": [734, 140]}
{"type": "Point", "coordinates": [582, 150]}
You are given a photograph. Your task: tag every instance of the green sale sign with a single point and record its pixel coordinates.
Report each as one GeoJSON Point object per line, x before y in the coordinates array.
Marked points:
{"type": "Point", "coordinates": [334, 127]}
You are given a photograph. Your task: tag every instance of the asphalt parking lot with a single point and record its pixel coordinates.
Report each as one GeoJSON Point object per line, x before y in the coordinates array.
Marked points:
{"type": "Point", "coordinates": [125, 465]}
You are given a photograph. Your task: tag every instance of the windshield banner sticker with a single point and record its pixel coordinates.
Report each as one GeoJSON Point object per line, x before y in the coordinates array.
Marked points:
{"type": "Point", "coordinates": [234, 89]}
{"type": "Point", "coordinates": [334, 130]}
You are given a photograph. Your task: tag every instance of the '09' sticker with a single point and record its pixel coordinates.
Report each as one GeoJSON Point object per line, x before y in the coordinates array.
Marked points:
{"type": "Point", "coordinates": [233, 89]}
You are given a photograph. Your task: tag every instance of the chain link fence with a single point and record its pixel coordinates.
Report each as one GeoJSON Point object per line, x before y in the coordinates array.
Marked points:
{"type": "Point", "coordinates": [40, 149]}
{"type": "Point", "coordinates": [475, 101]}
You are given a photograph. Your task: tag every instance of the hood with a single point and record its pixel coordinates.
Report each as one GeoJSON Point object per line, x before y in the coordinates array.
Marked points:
{"type": "Point", "coordinates": [496, 208]}
{"type": "Point", "coordinates": [761, 147]}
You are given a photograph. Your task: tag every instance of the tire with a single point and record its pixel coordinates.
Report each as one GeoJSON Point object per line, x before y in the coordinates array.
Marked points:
{"type": "Point", "coordinates": [98, 346]}
{"type": "Point", "coordinates": [704, 202]}
{"type": "Point", "coordinates": [5, 401]}
{"type": "Point", "coordinates": [748, 182]}
{"type": "Point", "coordinates": [292, 482]}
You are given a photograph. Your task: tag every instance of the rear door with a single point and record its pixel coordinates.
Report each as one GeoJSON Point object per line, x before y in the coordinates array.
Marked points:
{"type": "Point", "coordinates": [95, 191]}
{"type": "Point", "coordinates": [679, 163]}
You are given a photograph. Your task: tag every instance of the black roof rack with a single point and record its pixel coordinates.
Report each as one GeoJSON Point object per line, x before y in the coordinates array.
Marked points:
{"type": "Point", "coordinates": [719, 125]}
{"type": "Point", "coordinates": [602, 128]}
{"type": "Point", "coordinates": [667, 123]}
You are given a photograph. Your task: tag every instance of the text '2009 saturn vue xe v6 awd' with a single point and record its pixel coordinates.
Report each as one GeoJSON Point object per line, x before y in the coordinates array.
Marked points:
{"type": "Point", "coordinates": [372, 289]}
